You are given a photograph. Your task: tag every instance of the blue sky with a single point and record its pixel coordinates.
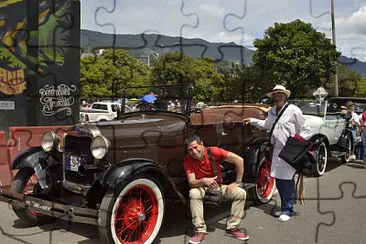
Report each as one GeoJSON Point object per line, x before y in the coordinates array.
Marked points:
{"type": "Point", "coordinates": [236, 21]}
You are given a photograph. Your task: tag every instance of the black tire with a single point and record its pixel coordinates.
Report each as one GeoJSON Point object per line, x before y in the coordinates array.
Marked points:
{"type": "Point", "coordinates": [347, 157]}
{"type": "Point", "coordinates": [321, 159]}
{"type": "Point", "coordinates": [265, 185]}
{"type": "Point", "coordinates": [124, 218]}
{"type": "Point", "coordinates": [21, 179]}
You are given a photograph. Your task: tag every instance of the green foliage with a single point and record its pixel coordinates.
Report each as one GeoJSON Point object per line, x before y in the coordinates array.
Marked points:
{"type": "Point", "coordinates": [247, 84]}
{"type": "Point", "coordinates": [350, 83]}
{"type": "Point", "coordinates": [108, 74]}
{"type": "Point", "coordinates": [297, 56]}
{"type": "Point", "coordinates": [177, 68]}
{"type": "Point", "coordinates": [360, 88]}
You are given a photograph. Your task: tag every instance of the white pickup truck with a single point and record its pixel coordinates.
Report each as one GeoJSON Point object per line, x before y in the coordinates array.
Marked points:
{"type": "Point", "coordinates": [101, 111]}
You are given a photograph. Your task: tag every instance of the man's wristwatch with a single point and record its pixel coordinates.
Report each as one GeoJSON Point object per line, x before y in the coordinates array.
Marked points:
{"type": "Point", "coordinates": [239, 182]}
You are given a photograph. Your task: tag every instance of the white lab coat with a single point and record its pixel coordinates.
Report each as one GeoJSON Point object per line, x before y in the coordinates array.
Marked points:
{"type": "Point", "coordinates": [291, 122]}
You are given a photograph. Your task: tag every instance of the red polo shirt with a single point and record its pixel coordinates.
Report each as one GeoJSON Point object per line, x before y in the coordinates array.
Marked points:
{"type": "Point", "coordinates": [203, 169]}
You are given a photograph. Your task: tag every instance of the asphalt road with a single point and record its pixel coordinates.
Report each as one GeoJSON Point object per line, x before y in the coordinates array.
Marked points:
{"type": "Point", "coordinates": [334, 212]}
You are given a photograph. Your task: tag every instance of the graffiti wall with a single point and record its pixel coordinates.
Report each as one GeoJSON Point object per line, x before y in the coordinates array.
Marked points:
{"type": "Point", "coordinates": [39, 62]}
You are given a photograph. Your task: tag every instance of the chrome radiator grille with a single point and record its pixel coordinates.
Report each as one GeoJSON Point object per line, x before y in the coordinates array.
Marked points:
{"type": "Point", "coordinates": [77, 158]}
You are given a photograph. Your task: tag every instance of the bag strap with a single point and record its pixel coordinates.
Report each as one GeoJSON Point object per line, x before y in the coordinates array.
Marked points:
{"type": "Point", "coordinates": [299, 190]}
{"type": "Point", "coordinates": [278, 117]}
{"type": "Point", "coordinates": [212, 163]}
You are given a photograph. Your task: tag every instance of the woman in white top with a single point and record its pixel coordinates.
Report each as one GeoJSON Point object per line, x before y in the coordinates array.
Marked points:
{"type": "Point", "coordinates": [291, 122]}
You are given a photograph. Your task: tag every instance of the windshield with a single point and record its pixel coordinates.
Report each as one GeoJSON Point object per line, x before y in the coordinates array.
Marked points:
{"type": "Point", "coordinates": [316, 108]}
{"type": "Point", "coordinates": [313, 108]}
{"type": "Point", "coordinates": [172, 98]}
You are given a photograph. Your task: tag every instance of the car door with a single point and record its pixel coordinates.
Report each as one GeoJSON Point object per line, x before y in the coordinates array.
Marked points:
{"type": "Point", "coordinates": [333, 125]}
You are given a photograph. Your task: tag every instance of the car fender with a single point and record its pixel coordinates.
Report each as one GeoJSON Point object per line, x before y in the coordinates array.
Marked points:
{"type": "Point", "coordinates": [250, 156]}
{"type": "Point", "coordinates": [37, 159]}
{"type": "Point", "coordinates": [319, 138]}
{"type": "Point", "coordinates": [123, 172]}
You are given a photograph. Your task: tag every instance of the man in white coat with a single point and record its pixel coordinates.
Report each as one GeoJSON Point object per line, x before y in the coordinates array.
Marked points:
{"type": "Point", "coordinates": [291, 122]}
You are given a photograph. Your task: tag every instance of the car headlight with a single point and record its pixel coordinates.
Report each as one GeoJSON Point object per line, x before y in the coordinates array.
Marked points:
{"type": "Point", "coordinates": [49, 140]}
{"type": "Point", "coordinates": [99, 147]}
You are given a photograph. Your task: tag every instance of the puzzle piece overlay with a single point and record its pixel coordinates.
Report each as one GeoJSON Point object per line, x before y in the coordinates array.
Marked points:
{"type": "Point", "coordinates": [36, 84]}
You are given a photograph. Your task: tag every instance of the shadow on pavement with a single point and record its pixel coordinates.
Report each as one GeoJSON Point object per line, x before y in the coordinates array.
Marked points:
{"type": "Point", "coordinates": [358, 164]}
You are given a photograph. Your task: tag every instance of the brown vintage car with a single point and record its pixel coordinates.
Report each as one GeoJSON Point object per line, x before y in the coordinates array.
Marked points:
{"type": "Point", "coordinates": [120, 174]}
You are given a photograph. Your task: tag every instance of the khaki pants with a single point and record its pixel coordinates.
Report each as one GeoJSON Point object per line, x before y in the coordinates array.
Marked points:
{"type": "Point", "coordinates": [238, 195]}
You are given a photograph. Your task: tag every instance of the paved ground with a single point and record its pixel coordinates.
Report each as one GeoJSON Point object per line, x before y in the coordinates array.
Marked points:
{"type": "Point", "coordinates": [334, 212]}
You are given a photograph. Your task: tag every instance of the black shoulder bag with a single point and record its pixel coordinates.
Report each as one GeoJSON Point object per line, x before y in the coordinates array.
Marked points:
{"type": "Point", "coordinates": [269, 147]}
{"type": "Point", "coordinates": [212, 196]}
{"type": "Point", "coordinates": [296, 153]}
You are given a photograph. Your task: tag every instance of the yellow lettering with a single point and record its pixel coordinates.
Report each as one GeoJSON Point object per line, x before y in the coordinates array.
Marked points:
{"type": "Point", "coordinates": [20, 74]}
{"type": "Point", "coordinates": [3, 75]}
{"type": "Point", "coordinates": [12, 82]}
{"type": "Point", "coordinates": [21, 87]}
{"type": "Point", "coordinates": [12, 77]}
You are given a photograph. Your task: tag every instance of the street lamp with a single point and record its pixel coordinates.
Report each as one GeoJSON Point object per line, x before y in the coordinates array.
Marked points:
{"type": "Point", "coordinates": [334, 43]}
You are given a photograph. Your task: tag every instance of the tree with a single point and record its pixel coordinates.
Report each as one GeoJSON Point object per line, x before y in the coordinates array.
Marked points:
{"type": "Point", "coordinates": [296, 55]}
{"type": "Point", "coordinates": [108, 74]}
{"type": "Point", "coordinates": [350, 83]}
{"type": "Point", "coordinates": [241, 83]}
{"type": "Point", "coordinates": [177, 68]}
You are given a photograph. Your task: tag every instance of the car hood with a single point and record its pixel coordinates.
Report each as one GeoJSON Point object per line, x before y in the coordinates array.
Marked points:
{"type": "Point", "coordinates": [155, 136]}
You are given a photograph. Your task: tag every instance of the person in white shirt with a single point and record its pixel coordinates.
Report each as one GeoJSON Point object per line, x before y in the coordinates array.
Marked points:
{"type": "Point", "coordinates": [356, 123]}
{"type": "Point", "coordinates": [291, 122]}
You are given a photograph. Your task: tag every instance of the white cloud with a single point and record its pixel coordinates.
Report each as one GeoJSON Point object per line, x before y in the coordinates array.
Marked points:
{"type": "Point", "coordinates": [356, 23]}
{"type": "Point", "coordinates": [225, 37]}
{"type": "Point", "coordinates": [210, 9]}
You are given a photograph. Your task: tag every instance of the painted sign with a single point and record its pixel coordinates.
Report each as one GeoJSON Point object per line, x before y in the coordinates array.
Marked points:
{"type": "Point", "coordinates": [12, 82]}
{"type": "Point", "coordinates": [55, 100]}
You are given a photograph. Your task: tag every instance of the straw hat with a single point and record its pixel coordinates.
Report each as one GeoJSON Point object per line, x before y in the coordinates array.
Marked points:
{"type": "Point", "coordinates": [349, 104]}
{"type": "Point", "coordinates": [279, 89]}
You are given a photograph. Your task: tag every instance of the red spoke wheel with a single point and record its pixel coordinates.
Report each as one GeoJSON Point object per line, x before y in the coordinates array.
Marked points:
{"type": "Point", "coordinates": [134, 215]}
{"type": "Point", "coordinates": [265, 184]}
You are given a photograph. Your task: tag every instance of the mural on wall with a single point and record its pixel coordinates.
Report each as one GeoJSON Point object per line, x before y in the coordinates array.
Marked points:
{"type": "Point", "coordinates": [38, 40]}
{"type": "Point", "coordinates": [14, 34]}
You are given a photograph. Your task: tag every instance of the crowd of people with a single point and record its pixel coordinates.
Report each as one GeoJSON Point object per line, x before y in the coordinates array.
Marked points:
{"type": "Point", "coordinates": [357, 122]}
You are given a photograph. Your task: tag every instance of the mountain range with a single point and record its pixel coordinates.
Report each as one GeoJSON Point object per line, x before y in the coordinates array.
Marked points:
{"type": "Point", "coordinates": [157, 45]}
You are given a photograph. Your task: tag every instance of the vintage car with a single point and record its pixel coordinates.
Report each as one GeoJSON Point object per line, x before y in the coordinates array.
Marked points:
{"type": "Point", "coordinates": [328, 124]}
{"type": "Point", "coordinates": [120, 174]}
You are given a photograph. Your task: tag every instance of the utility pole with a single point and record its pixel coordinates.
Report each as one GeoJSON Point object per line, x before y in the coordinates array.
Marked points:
{"type": "Point", "coordinates": [334, 43]}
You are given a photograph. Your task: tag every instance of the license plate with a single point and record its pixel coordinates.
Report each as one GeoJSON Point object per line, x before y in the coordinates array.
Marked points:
{"type": "Point", "coordinates": [73, 162]}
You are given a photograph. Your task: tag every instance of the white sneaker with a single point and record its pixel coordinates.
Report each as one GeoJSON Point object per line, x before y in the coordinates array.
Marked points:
{"type": "Point", "coordinates": [353, 157]}
{"type": "Point", "coordinates": [284, 218]}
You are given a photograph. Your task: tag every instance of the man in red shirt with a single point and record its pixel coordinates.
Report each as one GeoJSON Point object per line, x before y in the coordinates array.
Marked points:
{"type": "Point", "coordinates": [201, 176]}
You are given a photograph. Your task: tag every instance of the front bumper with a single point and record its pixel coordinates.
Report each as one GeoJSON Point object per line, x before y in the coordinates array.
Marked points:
{"type": "Point", "coordinates": [49, 208]}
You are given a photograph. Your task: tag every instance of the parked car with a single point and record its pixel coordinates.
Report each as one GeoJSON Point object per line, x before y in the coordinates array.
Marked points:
{"type": "Point", "coordinates": [120, 174]}
{"type": "Point", "coordinates": [99, 111]}
{"type": "Point", "coordinates": [328, 125]}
